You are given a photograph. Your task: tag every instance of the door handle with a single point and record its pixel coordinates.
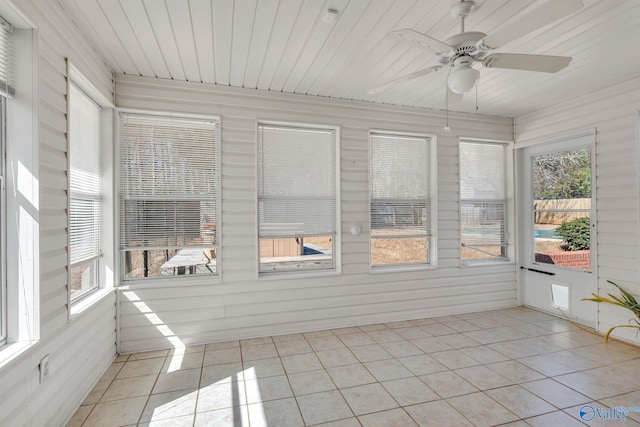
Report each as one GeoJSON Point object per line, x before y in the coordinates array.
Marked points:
{"type": "Point", "coordinates": [548, 273]}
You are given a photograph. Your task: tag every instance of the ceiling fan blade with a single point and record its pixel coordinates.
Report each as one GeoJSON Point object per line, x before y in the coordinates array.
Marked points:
{"type": "Point", "coordinates": [422, 40]}
{"type": "Point", "coordinates": [538, 15]}
{"type": "Point", "coordinates": [403, 79]}
{"type": "Point", "coordinates": [517, 61]}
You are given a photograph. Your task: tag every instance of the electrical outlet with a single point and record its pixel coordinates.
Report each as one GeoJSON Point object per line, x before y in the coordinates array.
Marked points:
{"type": "Point", "coordinates": [44, 368]}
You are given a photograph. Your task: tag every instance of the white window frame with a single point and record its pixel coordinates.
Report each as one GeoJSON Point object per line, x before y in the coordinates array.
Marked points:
{"type": "Point", "coordinates": [160, 281]}
{"type": "Point", "coordinates": [105, 262]}
{"type": "Point", "coordinates": [431, 198]}
{"type": "Point", "coordinates": [336, 242]}
{"type": "Point", "coordinates": [3, 225]}
{"type": "Point", "coordinates": [509, 216]}
{"type": "Point", "coordinates": [95, 260]}
{"type": "Point", "coordinates": [22, 198]}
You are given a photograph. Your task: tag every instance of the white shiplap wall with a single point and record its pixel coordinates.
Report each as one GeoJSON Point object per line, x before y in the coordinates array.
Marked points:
{"type": "Point", "coordinates": [79, 351]}
{"type": "Point", "coordinates": [243, 306]}
{"type": "Point", "coordinates": [614, 113]}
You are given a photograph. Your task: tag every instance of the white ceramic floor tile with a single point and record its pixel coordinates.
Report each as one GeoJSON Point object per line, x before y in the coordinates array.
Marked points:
{"type": "Point", "coordinates": [369, 353]}
{"type": "Point", "coordinates": [116, 413]}
{"type": "Point", "coordinates": [311, 382]}
{"type": "Point", "coordinates": [350, 375]}
{"type": "Point", "coordinates": [556, 393]}
{"type": "Point", "coordinates": [356, 339]}
{"type": "Point", "coordinates": [149, 355]}
{"type": "Point", "coordinates": [237, 416]}
{"type": "Point", "coordinates": [221, 396]}
{"type": "Point", "coordinates": [178, 380]}
{"type": "Point", "coordinates": [448, 384]}
{"type": "Point", "coordinates": [431, 344]}
{"type": "Point", "coordinates": [80, 416]}
{"type": "Point", "coordinates": [520, 401]}
{"type": "Point", "coordinates": [288, 348]}
{"type": "Point", "coordinates": [437, 414]}
{"type": "Point", "coordinates": [401, 348]}
{"type": "Point", "coordinates": [263, 368]}
{"type": "Point", "coordinates": [483, 377]}
{"type": "Point", "coordinates": [422, 364]}
{"type": "Point", "coordinates": [301, 363]}
{"type": "Point", "coordinates": [222, 356]}
{"type": "Point", "coordinates": [330, 342]}
{"type": "Point", "coordinates": [259, 351]}
{"type": "Point", "coordinates": [323, 407]}
{"type": "Point", "coordinates": [554, 419]}
{"type": "Point", "coordinates": [112, 371]}
{"type": "Point", "coordinates": [256, 341]}
{"type": "Point", "coordinates": [225, 373]}
{"type": "Point", "coordinates": [170, 405]}
{"type": "Point", "coordinates": [138, 368]}
{"type": "Point", "coordinates": [516, 372]}
{"type": "Point", "coordinates": [182, 421]}
{"type": "Point", "coordinates": [389, 369]}
{"type": "Point", "coordinates": [222, 345]}
{"type": "Point", "coordinates": [266, 389]}
{"type": "Point", "coordinates": [129, 387]}
{"type": "Point", "coordinates": [282, 412]}
{"type": "Point", "coordinates": [336, 357]}
{"type": "Point", "coordinates": [412, 332]}
{"type": "Point", "coordinates": [410, 391]}
{"type": "Point", "coordinates": [183, 362]}
{"type": "Point", "coordinates": [481, 410]}
{"type": "Point", "coordinates": [394, 417]}
{"type": "Point", "coordinates": [365, 399]}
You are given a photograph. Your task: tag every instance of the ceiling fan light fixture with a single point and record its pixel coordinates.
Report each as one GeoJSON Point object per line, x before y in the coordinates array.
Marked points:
{"type": "Point", "coordinates": [463, 76]}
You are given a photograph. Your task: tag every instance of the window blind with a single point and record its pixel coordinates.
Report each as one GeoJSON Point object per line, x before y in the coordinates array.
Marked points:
{"type": "Point", "coordinates": [483, 193]}
{"type": "Point", "coordinates": [7, 59]}
{"type": "Point", "coordinates": [297, 181]}
{"type": "Point", "coordinates": [84, 178]}
{"type": "Point", "coordinates": [400, 184]}
{"type": "Point", "coordinates": [169, 181]}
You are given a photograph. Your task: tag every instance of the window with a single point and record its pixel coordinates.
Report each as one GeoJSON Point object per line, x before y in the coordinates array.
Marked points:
{"type": "Point", "coordinates": [169, 195]}
{"type": "Point", "coordinates": [401, 208]}
{"type": "Point", "coordinates": [483, 201]}
{"type": "Point", "coordinates": [297, 198]}
{"type": "Point", "coordinates": [6, 90]}
{"type": "Point", "coordinates": [85, 199]}
{"type": "Point", "coordinates": [3, 213]}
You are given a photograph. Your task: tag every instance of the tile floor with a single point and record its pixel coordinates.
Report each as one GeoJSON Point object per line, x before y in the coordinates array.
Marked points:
{"type": "Point", "coordinates": [515, 367]}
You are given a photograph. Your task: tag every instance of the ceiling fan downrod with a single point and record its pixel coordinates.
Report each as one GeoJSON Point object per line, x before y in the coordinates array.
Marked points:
{"type": "Point", "coordinates": [461, 10]}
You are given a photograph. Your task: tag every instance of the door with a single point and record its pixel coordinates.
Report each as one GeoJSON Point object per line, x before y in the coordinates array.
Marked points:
{"type": "Point", "coordinates": [558, 229]}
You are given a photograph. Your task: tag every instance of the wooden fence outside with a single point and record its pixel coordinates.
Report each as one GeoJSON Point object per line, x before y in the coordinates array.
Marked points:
{"type": "Point", "coordinates": [557, 211]}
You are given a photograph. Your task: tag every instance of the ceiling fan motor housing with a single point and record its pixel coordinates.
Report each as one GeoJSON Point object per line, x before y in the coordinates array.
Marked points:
{"type": "Point", "coordinates": [464, 44]}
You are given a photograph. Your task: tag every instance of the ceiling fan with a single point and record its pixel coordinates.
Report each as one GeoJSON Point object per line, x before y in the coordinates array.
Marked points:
{"type": "Point", "coordinates": [463, 50]}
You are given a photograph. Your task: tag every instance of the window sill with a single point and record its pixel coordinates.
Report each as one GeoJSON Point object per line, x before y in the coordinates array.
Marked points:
{"type": "Point", "coordinates": [308, 274]}
{"type": "Point", "coordinates": [86, 303]}
{"type": "Point", "coordinates": [486, 263]}
{"type": "Point", "coordinates": [12, 351]}
{"type": "Point", "coordinates": [401, 268]}
{"type": "Point", "coordinates": [179, 281]}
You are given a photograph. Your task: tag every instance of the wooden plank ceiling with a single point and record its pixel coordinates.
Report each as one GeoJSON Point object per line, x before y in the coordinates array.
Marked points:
{"type": "Point", "coordinates": [286, 46]}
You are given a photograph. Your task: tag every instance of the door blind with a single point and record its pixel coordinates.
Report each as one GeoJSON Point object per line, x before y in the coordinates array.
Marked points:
{"type": "Point", "coordinates": [297, 181]}
{"type": "Point", "coordinates": [170, 183]}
